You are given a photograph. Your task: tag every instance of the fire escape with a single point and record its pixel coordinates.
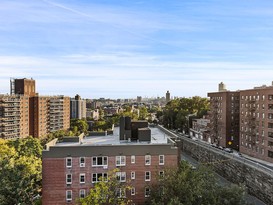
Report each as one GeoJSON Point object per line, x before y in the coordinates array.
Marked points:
{"type": "Point", "coordinates": [214, 124]}
{"type": "Point", "coordinates": [252, 129]}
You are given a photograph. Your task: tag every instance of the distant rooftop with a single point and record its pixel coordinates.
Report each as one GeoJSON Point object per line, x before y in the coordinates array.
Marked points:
{"type": "Point", "coordinates": [157, 137]}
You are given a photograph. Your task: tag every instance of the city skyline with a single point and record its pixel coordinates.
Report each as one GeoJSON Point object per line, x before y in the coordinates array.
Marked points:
{"type": "Point", "coordinates": [127, 49]}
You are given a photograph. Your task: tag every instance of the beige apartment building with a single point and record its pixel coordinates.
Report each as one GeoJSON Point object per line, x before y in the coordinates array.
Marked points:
{"type": "Point", "coordinates": [14, 116]}
{"type": "Point", "coordinates": [24, 112]}
{"type": "Point", "coordinates": [243, 120]}
{"type": "Point", "coordinates": [49, 114]}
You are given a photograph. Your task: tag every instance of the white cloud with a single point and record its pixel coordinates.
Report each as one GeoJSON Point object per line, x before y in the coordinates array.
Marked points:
{"type": "Point", "coordinates": [130, 75]}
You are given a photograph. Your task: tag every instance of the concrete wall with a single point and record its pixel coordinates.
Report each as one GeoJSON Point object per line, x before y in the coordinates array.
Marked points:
{"type": "Point", "coordinates": [258, 180]}
{"type": "Point", "coordinates": [93, 133]}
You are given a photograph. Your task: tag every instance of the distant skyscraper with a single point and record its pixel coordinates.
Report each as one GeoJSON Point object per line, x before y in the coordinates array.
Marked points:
{"type": "Point", "coordinates": [168, 96]}
{"type": "Point", "coordinates": [77, 107]}
{"type": "Point", "coordinates": [139, 99]}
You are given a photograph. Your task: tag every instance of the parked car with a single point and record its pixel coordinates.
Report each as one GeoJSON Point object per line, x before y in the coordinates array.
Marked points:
{"type": "Point", "coordinates": [214, 145]}
{"type": "Point", "coordinates": [229, 150]}
{"type": "Point", "coordinates": [238, 154]}
{"type": "Point", "coordinates": [220, 147]}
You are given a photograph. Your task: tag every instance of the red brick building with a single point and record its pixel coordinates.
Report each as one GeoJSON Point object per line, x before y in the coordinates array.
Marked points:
{"type": "Point", "coordinates": [224, 118]}
{"type": "Point", "coordinates": [256, 122]}
{"type": "Point", "coordinates": [71, 168]}
{"type": "Point", "coordinates": [244, 118]}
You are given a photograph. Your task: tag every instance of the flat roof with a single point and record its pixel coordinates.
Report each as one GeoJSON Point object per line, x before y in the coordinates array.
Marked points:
{"type": "Point", "coordinates": [157, 137]}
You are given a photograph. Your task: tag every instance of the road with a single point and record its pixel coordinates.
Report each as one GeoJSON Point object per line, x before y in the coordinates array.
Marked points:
{"type": "Point", "coordinates": [222, 180]}
{"type": "Point", "coordinates": [258, 164]}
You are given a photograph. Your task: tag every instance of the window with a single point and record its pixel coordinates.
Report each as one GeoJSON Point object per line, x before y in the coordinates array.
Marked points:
{"type": "Point", "coordinates": [82, 193]}
{"type": "Point", "coordinates": [161, 174]}
{"type": "Point", "coordinates": [69, 179]}
{"type": "Point", "coordinates": [270, 134]}
{"type": "Point", "coordinates": [133, 175]}
{"type": "Point", "coordinates": [99, 161]}
{"type": "Point", "coordinates": [82, 162]}
{"type": "Point", "coordinates": [148, 176]}
{"type": "Point", "coordinates": [68, 195]}
{"type": "Point", "coordinates": [97, 177]}
{"type": "Point", "coordinates": [68, 162]}
{"type": "Point", "coordinates": [147, 159]}
{"type": "Point", "coordinates": [133, 159]}
{"type": "Point", "coordinates": [147, 192]}
{"type": "Point", "coordinates": [120, 193]}
{"type": "Point", "coordinates": [120, 160]}
{"type": "Point", "coordinates": [270, 154]}
{"type": "Point", "coordinates": [121, 176]}
{"type": "Point", "coordinates": [133, 191]}
{"type": "Point", "coordinates": [262, 151]}
{"type": "Point", "coordinates": [161, 159]}
{"type": "Point", "coordinates": [82, 178]}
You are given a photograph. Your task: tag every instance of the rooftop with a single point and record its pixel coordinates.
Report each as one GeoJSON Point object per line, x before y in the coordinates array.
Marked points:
{"type": "Point", "coordinates": [157, 137]}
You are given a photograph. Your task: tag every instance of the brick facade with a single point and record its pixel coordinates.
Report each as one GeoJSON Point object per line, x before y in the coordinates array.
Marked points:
{"type": "Point", "coordinates": [245, 118]}
{"type": "Point", "coordinates": [55, 170]}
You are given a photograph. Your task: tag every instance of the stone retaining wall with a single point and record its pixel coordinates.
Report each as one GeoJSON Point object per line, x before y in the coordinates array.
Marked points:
{"type": "Point", "coordinates": [258, 180]}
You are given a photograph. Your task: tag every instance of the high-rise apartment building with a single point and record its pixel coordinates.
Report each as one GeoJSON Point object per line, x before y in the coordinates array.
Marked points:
{"type": "Point", "coordinates": [77, 108]}
{"type": "Point", "coordinates": [24, 112]}
{"type": "Point", "coordinates": [224, 118]}
{"type": "Point", "coordinates": [139, 99]}
{"type": "Point", "coordinates": [168, 96]}
{"type": "Point", "coordinates": [243, 118]}
{"type": "Point", "coordinates": [49, 114]}
{"type": "Point", "coordinates": [71, 168]}
{"type": "Point", "coordinates": [256, 122]}
{"type": "Point", "coordinates": [59, 113]}
{"type": "Point", "coordinates": [14, 116]}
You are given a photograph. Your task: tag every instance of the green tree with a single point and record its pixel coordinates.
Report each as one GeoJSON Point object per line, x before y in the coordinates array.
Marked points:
{"type": "Point", "coordinates": [106, 192]}
{"type": "Point", "coordinates": [27, 147]}
{"type": "Point", "coordinates": [20, 171]}
{"type": "Point", "coordinates": [79, 126]}
{"type": "Point", "coordinates": [100, 125]}
{"type": "Point", "coordinates": [189, 186]}
{"type": "Point", "coordinates": [143, 113]}
{"type": "Point", "coordinates": [176, 111]}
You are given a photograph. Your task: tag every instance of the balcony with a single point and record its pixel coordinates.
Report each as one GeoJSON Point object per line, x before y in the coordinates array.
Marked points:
{"type": "Point", "coordinates": [11, 119]}
{"type": "Point", "coordinates": [10, 128]}
{"type": "Point", "coordinates": [12, 114]}
{"type": "Point", "coordinates": [12, 109]}
{"type": "Point", "coordinates": [11, 100]}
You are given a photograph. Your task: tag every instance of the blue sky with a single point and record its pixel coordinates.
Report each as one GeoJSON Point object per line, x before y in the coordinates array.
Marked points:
{"type": "Point", "coordinates": [125, 48]}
